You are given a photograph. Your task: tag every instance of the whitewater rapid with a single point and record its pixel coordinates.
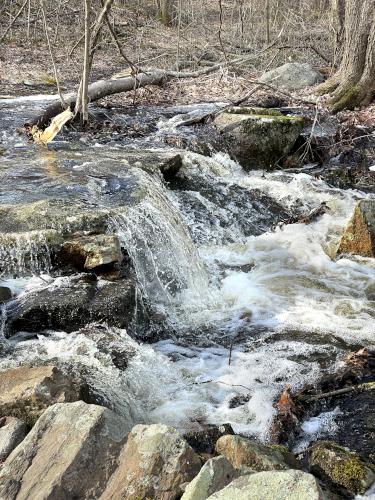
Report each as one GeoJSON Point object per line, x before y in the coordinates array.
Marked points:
{"type": "Point", "coordinates": [249, 313]}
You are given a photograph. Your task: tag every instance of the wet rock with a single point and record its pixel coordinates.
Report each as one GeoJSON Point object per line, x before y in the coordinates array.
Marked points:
{"type": "Point", "coordinates": [62, 215]}
{"type": "Point", "coordinates": [70, 453]}
{"type": "Point", "coordinates": [341, 467]}
{"type": "Point", "coordinates": [92, 251]}
{"type": "Point", "coordinates": [113, 342]}
{"type": "Point", "coordinates": [5, 294]}
{"type": "Point", "coordinates": [154, 463]}
{"type": "Point", "coordinates": [12, 432]}
{"type": "Point", "coordinates": [292, 76]}
{"type": "Point", "coordinates": [214, 476]}
{"type": "Point", "coordinates": [244, 453]}
{"type": "Point", "coordinates": [26, 392]}
{"type": "Point", "coordinates": [258, 138]}
{"type": "Point", "coordinates": [204, 440]}
{"type": "Point", "coordinates": [359, 235]}
{"type": "Point", "coordinates": [281, 485]}
{"type": "Point", "coordinates": [72, 303]}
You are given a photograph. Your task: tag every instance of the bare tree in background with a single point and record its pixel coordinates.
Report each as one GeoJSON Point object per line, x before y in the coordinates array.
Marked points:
{"type": "Point", "coordinates": [165, 8]}
{"type": "Point", "coordinates": [86, 64]}
{"type": "Point", "coordinates": [354, 83]}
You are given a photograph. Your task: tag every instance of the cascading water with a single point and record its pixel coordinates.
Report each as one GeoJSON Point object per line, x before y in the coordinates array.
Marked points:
{"type": "Point", "coordinates": [254, 306]}
{"type": "Point", "coordinates": [162, 251]}
{"type": "Point", "coordinates": [25, 254]}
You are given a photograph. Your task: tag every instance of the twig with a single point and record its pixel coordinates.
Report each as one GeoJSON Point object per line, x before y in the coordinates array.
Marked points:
{"type": "Point", "coordinates": [14, 20]}
{"type": "Point", "coordinates": [312, 47]}
{"type": "Point", "coordinates": [115, 39]}
{"type": "Point", "coordinates": [368, 386]}
{"type": "Point", "coordinates": [63, 103]}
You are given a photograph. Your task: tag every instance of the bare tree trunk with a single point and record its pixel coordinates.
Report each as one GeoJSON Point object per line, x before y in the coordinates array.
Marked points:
{"type": "Point", "coordinates": [354, 83]}
{"type": "Point", "coordinates": [166, 12]}
{"type": "Point", "coordinates": [268, 36]}
{"type": "Point", "coordinates": [86, 65]}
{"type": "Point", "coordinates": [338, 22]}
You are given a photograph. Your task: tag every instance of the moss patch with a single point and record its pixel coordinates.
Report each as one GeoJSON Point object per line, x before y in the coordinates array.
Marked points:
{"type": "Point", "coordinates": [341, 467]}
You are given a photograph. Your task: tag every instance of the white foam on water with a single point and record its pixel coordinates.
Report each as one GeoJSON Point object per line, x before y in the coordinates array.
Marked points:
{"type": "Point", "coordinates": [319, 427]}
{"type": "Point", "coordinates": [292, 286]}
{"type": "Point", "coordinates": [29, 98]}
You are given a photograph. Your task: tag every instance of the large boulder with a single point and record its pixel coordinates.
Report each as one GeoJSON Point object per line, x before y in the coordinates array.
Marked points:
{"type": "Point", "coordinates": [359, 235]}
{"type": "Point", "coordinates": [12, 432]}
{"type": "Point", "coordinates": [243, 453]}
{"type": "Point", "coordinates": [281, 485]}
{"type": "Point", "coordinates": [70, 453]}
{"type": "Point", "coordinates": [340, 467]}
{"type": "Point", "coordinates": [155, 462]}
{"type": "Point", "coordinates": [27, 392]}
{"type": "Point", "coordinates": [72, 303]}
{"type": "Point", "coordinates": [214, 476]}
{"type": "Point", "coordinates": [258, 138]}
{"type": "Point", "coordinates": [292, 76]}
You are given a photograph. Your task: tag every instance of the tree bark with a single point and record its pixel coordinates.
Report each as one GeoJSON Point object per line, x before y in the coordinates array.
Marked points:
{"type": "Point", "coordinates": [86, 65]}
{"type": "Point", "coordinates": [166, 12]}
{"type": "Point", "coordinates": [354, 83]}
{"type": "Point", "coordinates": [338, 23]}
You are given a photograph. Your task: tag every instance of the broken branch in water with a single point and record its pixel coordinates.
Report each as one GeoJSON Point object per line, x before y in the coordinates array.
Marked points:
{"type": "Point", "coordinates": [43, 137]}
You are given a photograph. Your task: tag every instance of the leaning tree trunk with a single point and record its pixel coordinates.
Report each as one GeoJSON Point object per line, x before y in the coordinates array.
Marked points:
{"type": "Point", "coordinates": [354, 83]}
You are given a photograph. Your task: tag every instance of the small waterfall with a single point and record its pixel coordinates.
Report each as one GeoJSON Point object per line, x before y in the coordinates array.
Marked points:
{"type": "Point", "coordinates": [165, 258]}
{"type": "Point", "coordinates": [25, 254]}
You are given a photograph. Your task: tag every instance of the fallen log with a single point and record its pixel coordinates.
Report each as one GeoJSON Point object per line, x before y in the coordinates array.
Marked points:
{"type": "Point", "coordinates": [98, 90]}
{"type": "Point", "coordinates": [137, 79]}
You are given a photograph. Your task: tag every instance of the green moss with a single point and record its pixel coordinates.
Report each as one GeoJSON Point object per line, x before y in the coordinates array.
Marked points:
{"type": "Point", "coordinates": [346, 98]}
{"type": "Point", "coordinates": [253, 111]}
{"type": "Point", "coordinates": [341, 466]}
{"type": "Point", "coordinates": [349, 473]}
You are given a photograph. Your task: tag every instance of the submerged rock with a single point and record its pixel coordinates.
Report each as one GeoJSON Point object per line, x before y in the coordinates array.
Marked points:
{"type": "Point", "coordinates": [359, 235]}
{"type": "Point", "coordinates": [341, 467]}
{"type": "Point", "coordinates": [213, 476]}
{"type": "Point", "coordinates": [258, 138]}
{"type": "Point", "coordinates": [12, 432]}
{"type": "Point", "coordinates": [26, 392]}
{"type": "Point", "coordinates": [70, 453]}
{"type": "Point", "coordinates": [92, 251]}
{"type": "Point", "coordinates": [285, 485]}
{"type": "Point", "coordinates": [74, 303]}
{"type": "Point", "coordinates": [292, 76]}
{"type": "Point", "coordinates": [154, 463]}
{"type": "Point", "coordinates": [244, 453]}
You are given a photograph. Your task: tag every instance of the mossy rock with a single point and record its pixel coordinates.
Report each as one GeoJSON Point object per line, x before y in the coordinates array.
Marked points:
{"type": "Point", "coordinates": [340, 467]}
{"type": "Point", "coordinates": [257, 137]}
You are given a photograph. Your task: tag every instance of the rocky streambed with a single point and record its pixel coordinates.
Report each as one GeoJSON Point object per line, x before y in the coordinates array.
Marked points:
{"type": "Point", "coordinates": [158, 299]}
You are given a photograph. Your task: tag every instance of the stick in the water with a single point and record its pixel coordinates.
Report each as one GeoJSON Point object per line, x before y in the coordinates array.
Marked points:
{"type": "Point", "coordinates": [45, 136]}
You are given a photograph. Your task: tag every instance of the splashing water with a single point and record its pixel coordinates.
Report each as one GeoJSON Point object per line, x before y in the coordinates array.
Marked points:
{"type": "Point", "coordinates": [163, 253]}
{"type": "Point", "coordinates": [253, 311]}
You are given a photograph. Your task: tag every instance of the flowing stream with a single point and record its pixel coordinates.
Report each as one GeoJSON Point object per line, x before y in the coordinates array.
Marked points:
{"type": "Point", "coordinates": [252, 305]}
